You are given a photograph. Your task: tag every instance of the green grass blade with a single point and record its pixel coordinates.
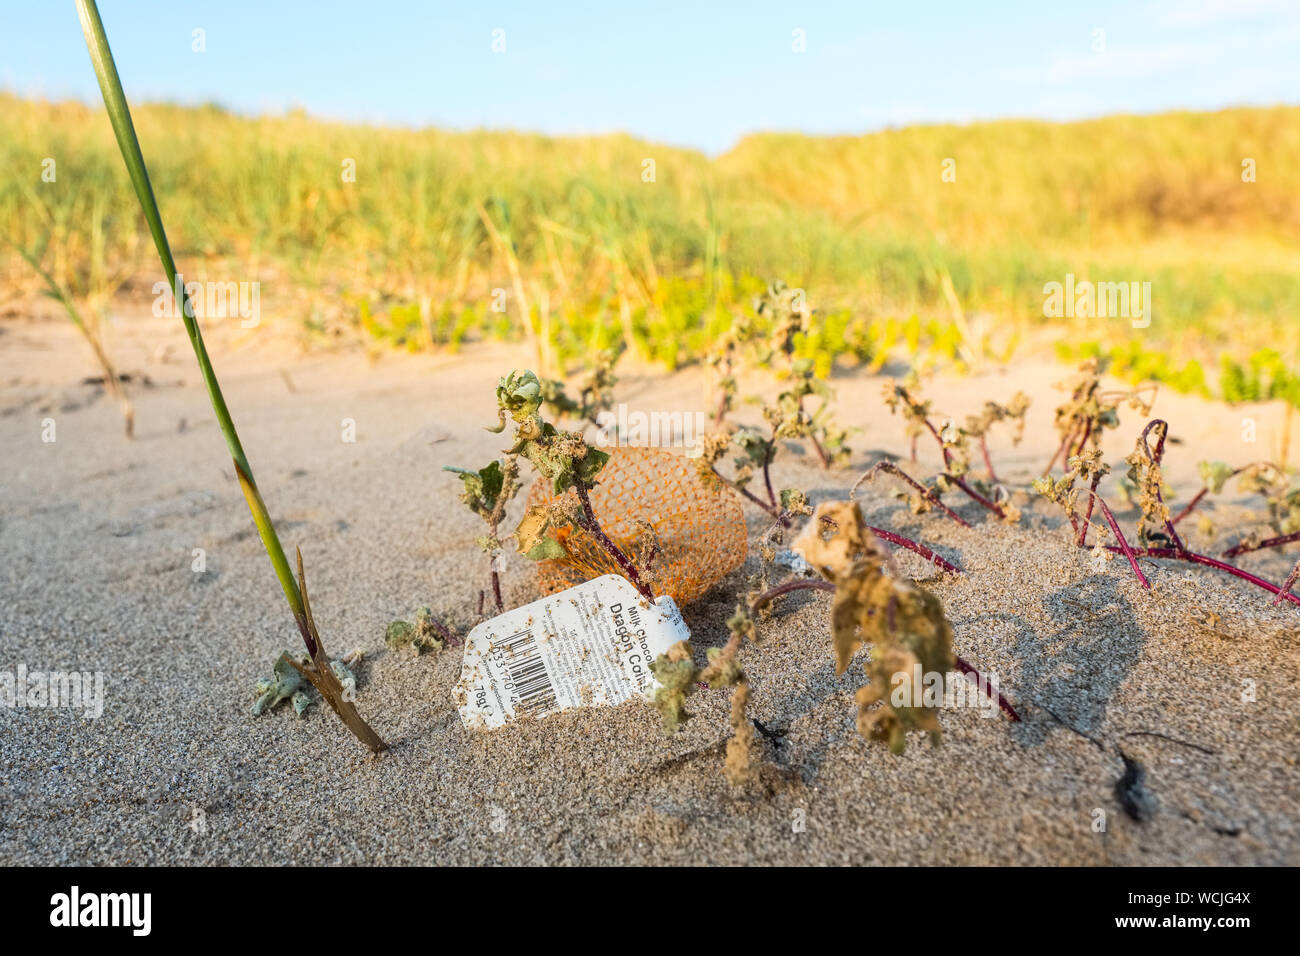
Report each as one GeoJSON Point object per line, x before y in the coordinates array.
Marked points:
{"type": "Point", "coordinates": [119, 115]}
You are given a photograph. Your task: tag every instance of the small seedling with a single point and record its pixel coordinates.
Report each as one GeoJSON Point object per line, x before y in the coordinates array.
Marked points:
{"type": "Point", "coordinates": [287, 683]}
{"type": "Point", "coordinates": [486, 492]}
{"type": "Point", "coordinates": [426, 634]}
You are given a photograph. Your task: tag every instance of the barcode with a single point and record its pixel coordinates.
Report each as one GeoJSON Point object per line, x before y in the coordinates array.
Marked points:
{"type": "Point", "coordinates": [532, 685]}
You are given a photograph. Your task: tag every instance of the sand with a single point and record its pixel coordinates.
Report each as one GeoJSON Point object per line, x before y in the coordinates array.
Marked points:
{"type": "Point", "coordinates": [97, 541]}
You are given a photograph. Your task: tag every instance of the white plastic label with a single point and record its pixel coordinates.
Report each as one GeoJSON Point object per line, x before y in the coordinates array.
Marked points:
{"type": "Point", "coordinates": [589, 645]}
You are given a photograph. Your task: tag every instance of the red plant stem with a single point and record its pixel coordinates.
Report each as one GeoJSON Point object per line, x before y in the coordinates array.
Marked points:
{"type": "Point", "coordinates": [802, 584]}
{"type": "Point", "coordinates": [767, 469]}
{"type": "Point", "coordinates": [911, 545]}
{"type": "Point", "coordinates": [988, 462]}
{"type": "Point", "coordinates": [496, 591]}
{"type": "Point", "coordinates": [1196, 500]}
{"type": "Point", "coordinates": [770, 509]}
{"type": "Point", "coordinates": [1083, 442]}
{"type": "Point", "coordinates": [1123, 547]}
{"type": "Point", "coordinates": [947, 455]}
{"type": "Point", "coordinates": [976, 496]}
{"type": "Point", "coordinates": [1268, 543]}
{"type": "Point", "coordinates": [987, 685]}
{"type": "Point", "coordinates": [929, 495]}
{"type": "Point", "coordinates": [821, 452]}
{"type": "Point", "coordinates": [442, 629]}
{"type": "Point", "coordinates": [592, 527]}
{"type": "Point", "coordinates": [1290, 583]}
{"type": "Point", "coordinates": [1195, 558]}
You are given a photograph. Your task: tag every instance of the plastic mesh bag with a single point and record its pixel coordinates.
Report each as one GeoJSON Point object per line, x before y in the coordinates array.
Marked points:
{"type": "Point", "coordinates": [656, 508]}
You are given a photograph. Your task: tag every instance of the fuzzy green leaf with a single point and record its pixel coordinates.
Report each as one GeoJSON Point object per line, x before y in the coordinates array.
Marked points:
{"type": "Point", "coordinates": [547, 549]}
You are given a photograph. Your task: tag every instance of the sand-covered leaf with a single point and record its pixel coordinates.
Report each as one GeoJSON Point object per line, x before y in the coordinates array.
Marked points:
{"type": "Point", "coordinates": [283, 683]}
{"type": "Point", "coordinates": [675, 670]}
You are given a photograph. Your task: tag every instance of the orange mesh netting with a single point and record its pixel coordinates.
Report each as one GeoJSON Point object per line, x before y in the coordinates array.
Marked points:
{"type": "Point", "coordinates": [652, 502]}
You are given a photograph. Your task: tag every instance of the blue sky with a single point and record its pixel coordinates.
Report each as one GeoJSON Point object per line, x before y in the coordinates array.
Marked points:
{"type": "Point", "coordinates": [696, 74]}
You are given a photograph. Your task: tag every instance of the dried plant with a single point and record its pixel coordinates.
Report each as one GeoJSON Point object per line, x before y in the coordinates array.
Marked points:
{"type": "Point", "coordinates": [978, 426]}
{"type": "Point", "coordinates": [1090, 409]}
{"type": "Point", "coordinates": [1265, 479]}
{"type": "Point", "coordinates": [786, 311]}
{"type": "Point", "coordinates": [873, 604]}
{"type": "Point", "coordinates": [1155, 527]}
{"type": "Point", "coordinates": [679, 678]}
{"type": "Point", "coordinates": [954, 445]}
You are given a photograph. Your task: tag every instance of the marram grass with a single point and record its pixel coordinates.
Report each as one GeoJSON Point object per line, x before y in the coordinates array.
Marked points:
{"type": "Point", "coordinates": [318, 670]}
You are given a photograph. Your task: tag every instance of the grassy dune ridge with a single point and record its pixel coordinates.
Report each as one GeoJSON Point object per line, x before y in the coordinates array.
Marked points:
{"type": "Point", "coordinates": [406, 255]}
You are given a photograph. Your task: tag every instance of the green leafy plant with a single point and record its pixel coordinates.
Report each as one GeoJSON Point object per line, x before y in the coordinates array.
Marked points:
{"type": "Point", "coordinates": [288, 683]}
{"type": "Point", "coordinates": [1264, 376]}
{"type": "Point", "coordinates": [568, 463]}
{"type": "Point", "coordinates": [486, 492]}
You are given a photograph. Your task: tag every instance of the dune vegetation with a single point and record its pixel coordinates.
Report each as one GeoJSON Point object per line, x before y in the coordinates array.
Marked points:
{"type": "Point", "coordinates": [932, 242]}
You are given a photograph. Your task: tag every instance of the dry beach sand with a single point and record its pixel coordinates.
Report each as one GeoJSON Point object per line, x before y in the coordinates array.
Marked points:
{"type": "Point", "coordinates": [97, 536]}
